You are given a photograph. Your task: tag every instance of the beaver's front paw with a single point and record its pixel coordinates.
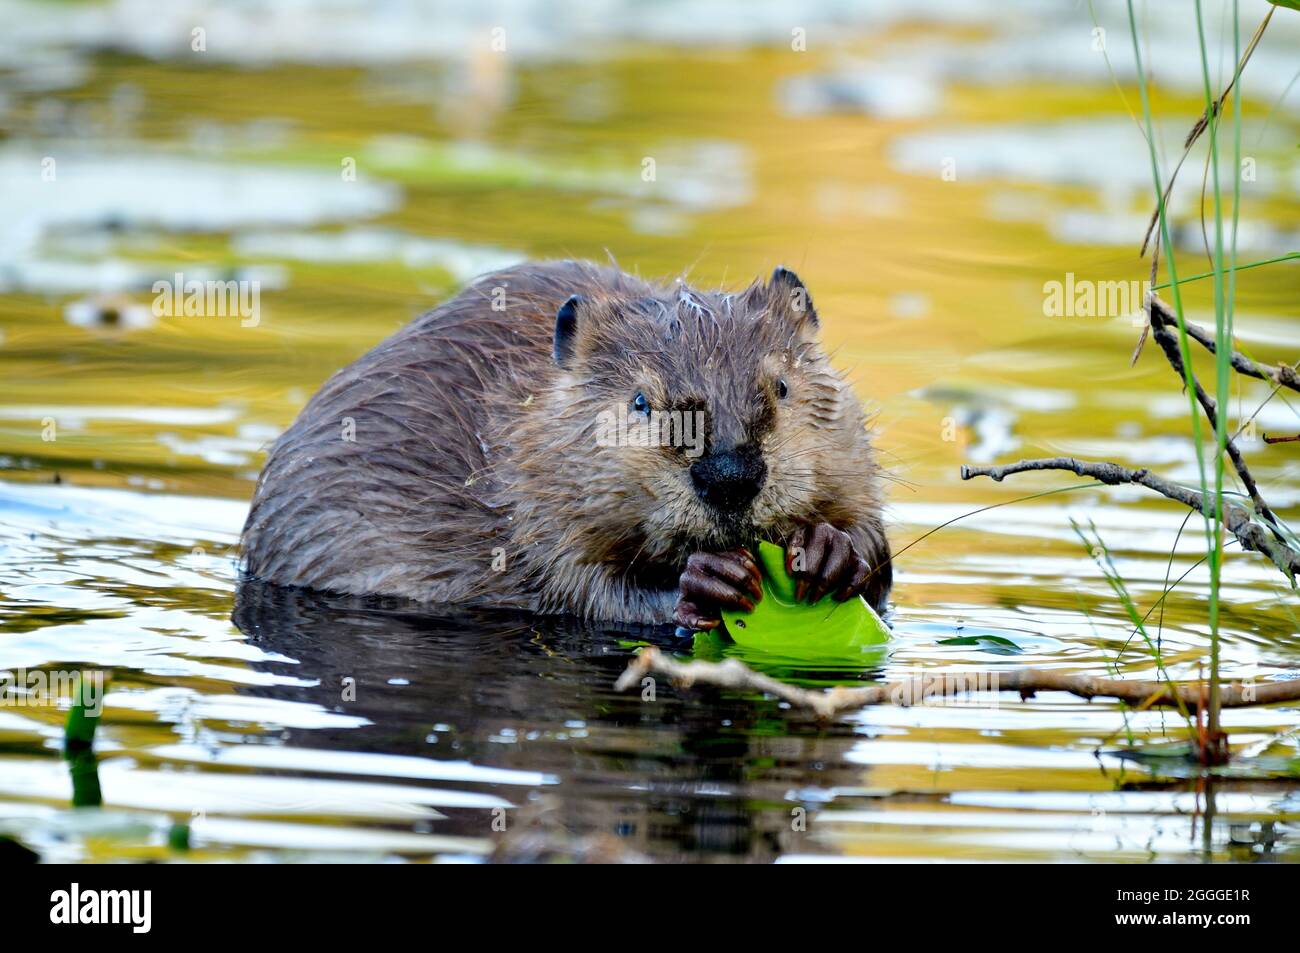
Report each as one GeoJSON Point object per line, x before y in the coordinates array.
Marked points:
{"type": "Point", "coordinates": [712, 582]}
{"type": "Point", "coordinates": [823, 559]}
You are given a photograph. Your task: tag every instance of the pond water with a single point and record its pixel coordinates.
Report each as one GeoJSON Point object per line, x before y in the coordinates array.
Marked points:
{"type": "Point", "coordinates": [926, 168]}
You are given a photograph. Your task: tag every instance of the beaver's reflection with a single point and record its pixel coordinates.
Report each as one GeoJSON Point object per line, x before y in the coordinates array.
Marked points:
{"type": "Point", "coordinates": [686, 776]}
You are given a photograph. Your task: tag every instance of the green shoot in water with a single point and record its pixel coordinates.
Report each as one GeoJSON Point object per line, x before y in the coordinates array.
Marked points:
{"type": "Point", "coordinates": [1101, 554]}
{"type": "Point", "coordinates": [79, 744]}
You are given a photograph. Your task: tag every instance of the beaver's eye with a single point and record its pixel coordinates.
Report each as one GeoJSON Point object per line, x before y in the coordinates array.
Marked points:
{"type": "Point", "coordinates": [781, 390]}
{"type": "Point", "coordinates": [640, 405]}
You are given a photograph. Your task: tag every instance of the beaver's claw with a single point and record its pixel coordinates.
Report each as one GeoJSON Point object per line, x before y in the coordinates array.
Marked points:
{"type": "Point", "coordinates": [824, 559]}
{"type": "Point", "coordinates": [712, 582]}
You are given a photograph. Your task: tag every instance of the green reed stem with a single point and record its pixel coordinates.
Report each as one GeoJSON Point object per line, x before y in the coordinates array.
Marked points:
{"type": "Point", "coordinates": [1165, 243]}
{"type": "Point", "coordinates": [1289, 256]}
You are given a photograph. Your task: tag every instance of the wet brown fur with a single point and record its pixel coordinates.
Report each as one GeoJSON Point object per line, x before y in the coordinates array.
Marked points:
{"type": "Point", "coordinates": [475, 476]}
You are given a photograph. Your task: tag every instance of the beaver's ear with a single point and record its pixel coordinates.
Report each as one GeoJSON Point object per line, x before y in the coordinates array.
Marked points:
{"type": "Point", "coordinates": [566, 330]}
{"type": "Point", "coordinates": [788, 296]}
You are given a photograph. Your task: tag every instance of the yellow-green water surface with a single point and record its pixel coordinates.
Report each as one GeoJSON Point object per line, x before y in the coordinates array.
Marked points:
{"type": "Point", "coordinates": [925, 172]}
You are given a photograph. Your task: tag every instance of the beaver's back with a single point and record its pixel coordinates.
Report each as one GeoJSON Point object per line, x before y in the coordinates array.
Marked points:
{"type": "Point", "coordinates": [384, 483]}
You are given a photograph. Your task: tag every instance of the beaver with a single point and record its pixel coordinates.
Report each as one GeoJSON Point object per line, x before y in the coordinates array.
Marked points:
{"type": "Point", "coordinates": [562, 437]}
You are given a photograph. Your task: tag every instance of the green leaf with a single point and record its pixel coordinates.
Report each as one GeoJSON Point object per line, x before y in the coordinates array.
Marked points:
{"type": "Point", "coordinates": [989, 643]}
{"type": "Point", "coordinates": [797, 630]}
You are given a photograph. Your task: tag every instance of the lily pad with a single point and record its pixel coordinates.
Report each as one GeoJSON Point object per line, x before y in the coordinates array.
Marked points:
{"type": "Point", "coordinates": [779, 624]}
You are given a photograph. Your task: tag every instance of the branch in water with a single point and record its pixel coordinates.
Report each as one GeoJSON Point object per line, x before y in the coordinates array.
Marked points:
{"type": "Point", "coordinates": [914, 691]}
{"type": "Point", "coordinates": [1236, 520]}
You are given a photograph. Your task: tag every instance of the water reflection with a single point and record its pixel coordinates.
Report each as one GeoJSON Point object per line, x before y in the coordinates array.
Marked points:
{"type": "Point", "coordinates": [680, 775]}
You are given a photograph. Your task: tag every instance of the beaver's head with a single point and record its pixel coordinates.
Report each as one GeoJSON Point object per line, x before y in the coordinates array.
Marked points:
{"type": "Point", "coordinates": [708, 419]}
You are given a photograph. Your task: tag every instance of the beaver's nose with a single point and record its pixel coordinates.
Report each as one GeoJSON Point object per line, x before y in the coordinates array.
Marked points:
{"type": "Point", "coordinates": [729, 480]}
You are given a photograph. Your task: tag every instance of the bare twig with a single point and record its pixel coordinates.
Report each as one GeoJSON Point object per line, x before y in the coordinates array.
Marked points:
{"type": "Point", "coordinates": [1201, 125]}
{"type": "Point", "coordinates": [1236, 520]}
{"type": "Point", "coordinates": [1194, 134]}
{"type": "Point", "coordinates": [1163, 320]}
{"type": "Point", "coordinates": [1168, 342]}
{"type": "Point", "coordinates": [914, 691]}
{"type": "Point", "coordinates": [1283, 374]}
{"type": "Point", "coordinates": [1289, 438]}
